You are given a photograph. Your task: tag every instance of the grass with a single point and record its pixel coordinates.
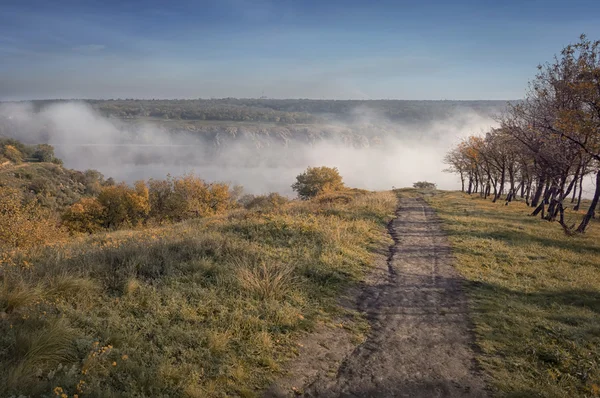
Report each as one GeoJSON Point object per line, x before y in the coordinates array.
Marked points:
{"type": "Point", "coordinates": [51, 185]}
{"type": "Point", "coordinates": [535, 296]}
{"type": "Point", "coordinates": [204, 308]}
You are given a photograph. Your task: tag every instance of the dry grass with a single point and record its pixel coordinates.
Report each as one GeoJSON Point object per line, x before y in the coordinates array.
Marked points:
{"type": "Point", "coordinates": [266, 281]}
{"type": "Point", "coordinates": [535, 294]}
{"type": "Point", "coordinates": [207, 308]}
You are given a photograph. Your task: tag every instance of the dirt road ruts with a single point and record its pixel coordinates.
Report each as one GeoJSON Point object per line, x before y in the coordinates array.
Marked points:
{"type": "Point", "coordinates": [420, 344]}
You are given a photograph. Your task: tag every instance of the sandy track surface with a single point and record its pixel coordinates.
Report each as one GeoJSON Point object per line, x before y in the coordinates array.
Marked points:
{"type": "Point", "coordinates": [420, 344]}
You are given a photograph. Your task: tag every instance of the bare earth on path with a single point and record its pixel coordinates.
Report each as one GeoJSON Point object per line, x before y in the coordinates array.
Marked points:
{"type": "Point", "coordinates": [420, 344]}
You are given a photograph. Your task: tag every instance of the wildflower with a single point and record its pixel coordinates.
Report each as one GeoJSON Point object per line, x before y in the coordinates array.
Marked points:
{"type": "Point", "coordinates": [58, 390]}
{"type": "Point", "coordinates": [114, 364]}
{"type": "Point", "coordinates": [124, 357]}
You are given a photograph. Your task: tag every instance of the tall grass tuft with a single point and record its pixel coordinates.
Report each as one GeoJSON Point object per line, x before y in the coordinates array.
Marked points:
{"type": "Point", "coordinates": [16, 294]}
{"type": "Point", "coordinates": [40, 348]}
{"type": "Point", "coordinates": [266, 281]}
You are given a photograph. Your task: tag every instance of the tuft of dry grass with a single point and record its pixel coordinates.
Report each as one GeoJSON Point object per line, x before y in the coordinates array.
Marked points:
{"type": "Point", "coordinates": [47, 347]}
{"type": "Point", "coordinates": [16, 294]}
{"type": "Point", "coordinates": [266, 281]}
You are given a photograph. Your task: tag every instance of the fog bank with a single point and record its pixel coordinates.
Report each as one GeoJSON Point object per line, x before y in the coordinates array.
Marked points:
{"type": "Point", "coordinates": [379, 155]}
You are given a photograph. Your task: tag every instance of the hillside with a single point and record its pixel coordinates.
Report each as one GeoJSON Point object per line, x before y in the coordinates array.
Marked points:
{"type": "Point", "coordinates": [50, 184]}
{"type": "Point", "coordinates": [207, 307]}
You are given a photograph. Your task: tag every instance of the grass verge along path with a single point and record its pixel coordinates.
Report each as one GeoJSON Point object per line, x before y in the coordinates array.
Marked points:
{"type": "Point", "coordinates": [535, 296]}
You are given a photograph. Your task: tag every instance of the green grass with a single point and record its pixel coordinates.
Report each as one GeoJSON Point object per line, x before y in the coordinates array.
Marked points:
{"type": "Point", "coordinates": [535, 296]}
{"type": "Point", "coordinates": [53, 186]}
{"type": "Point", "coordinates": [204, 308]}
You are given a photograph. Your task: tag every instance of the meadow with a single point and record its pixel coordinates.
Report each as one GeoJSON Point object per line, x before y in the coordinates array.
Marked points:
{"type": "Point", "coordinates": [534, 292]}
{"type": "Point", "coordinates": [206, 307]}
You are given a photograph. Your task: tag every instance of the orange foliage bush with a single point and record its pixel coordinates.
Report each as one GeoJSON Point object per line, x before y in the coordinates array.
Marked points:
{"type": "Point", "coordinates": [87, 215]}
{"type": "Point", "coordinates": [173, 199]}
{"type": "Point", "coordinates": [187, 197]}
{"type": "Point", "coordinates": [124, 205]}
{"type": "Point", "coordinates": [24, 224]}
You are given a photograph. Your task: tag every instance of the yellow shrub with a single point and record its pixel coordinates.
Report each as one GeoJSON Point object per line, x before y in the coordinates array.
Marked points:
{"type": "Point", "coordinates": [24, 224]}
{"type": "Point", "coordinates": [13, 154]}
{"type": "Point", "coordinates": [124, 205]}
{"type": "Point", "coordinates": [187, 197]}
{"type": "Point", "coordinates": [87, 215]}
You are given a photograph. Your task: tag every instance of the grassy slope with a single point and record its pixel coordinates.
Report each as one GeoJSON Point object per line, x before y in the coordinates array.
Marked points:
{"type": "Point", "coordinates": [203, 308]}
{"type": "Point", "coordinates": [535, 295]}
{"type": "Point", "coordinates": [54, 186]}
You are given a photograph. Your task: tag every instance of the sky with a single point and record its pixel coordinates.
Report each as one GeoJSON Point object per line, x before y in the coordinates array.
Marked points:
{"type": "Point", "coordinates": [332, 49]}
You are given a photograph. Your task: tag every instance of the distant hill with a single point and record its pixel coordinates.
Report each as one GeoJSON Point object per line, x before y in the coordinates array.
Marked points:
{"type": "Point", "coordinates": [288, 111]}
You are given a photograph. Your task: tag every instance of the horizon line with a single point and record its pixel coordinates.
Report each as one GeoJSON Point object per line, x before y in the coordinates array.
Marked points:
{"type": "Point", "coordinates": [258, 98]}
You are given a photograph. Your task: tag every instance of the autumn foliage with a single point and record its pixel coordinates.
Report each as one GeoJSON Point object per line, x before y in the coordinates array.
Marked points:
{"type": "Point", "coordinates": [318, 180]}
{"type": "Point", "coordinates": [546, 144]}
{"type": "Point", "coordinates": [24, 224]}
{"type": "Point", "coordinates": [173, 199]}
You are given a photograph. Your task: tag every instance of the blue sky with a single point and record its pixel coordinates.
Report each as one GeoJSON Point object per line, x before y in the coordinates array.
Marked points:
{"type": "Point", "coordinates": [283, 49]}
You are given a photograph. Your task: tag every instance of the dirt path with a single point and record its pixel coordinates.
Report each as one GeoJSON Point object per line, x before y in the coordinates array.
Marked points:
{"type": "Point", "coordinates": [420, 344]}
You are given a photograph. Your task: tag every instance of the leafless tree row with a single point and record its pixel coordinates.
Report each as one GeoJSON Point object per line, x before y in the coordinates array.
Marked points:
{"type": "Point", "coordinates": [546, 144]}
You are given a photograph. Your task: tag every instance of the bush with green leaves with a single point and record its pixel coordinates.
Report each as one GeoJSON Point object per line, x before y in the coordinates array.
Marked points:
{"type": "Point", "coordinates": [318, 180]}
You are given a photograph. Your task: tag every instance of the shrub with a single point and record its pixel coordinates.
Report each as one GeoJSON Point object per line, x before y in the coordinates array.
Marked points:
{"type": "Point", "coordinates": [93, 180]}
{"type": "Point", "coordinates": [44, 153]}
{"type": "Point", "coordinates": [187, 197]}
{"type": "Point", "coordinates": [87, 215]}
{"type": "Point", "coordinates": [271, 201]}
{"type": "Point", "coordinates": [335, 198]}
{"type": "Point", "coordinates": [424, 185]}
{"type": "Point", "coordinates": [316, 180]}
{"type": "Point", "coordinates": [13, 154]}
{"type": "Point", "coordinates": [24, 224]}
{"type": "Point", "coordinates": [124, 205]}
{"type": "Point", "coordinates": [198, 199]}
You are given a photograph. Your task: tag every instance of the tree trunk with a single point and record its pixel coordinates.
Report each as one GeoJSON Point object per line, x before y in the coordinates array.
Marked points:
{"type": "Point", "coordinates": [576, 208]}
{"type": "Point", "coordinates": [538, 191]}
{"type": "Point", "coordinates": [542, 206]}
{"type": "Point", "coordinates": [552, 201]}
{"type": "Point", "coordinates": [573, 184]}
{"type": "Point", "coordinates": [469, 191]}
{"type": "Point", "coordinates": [546, 197]}
{"type": "Point", "coordinates": [498, 193]}
{"type": "Point", "coordinates": [591, 211]}
{"type": "Point", "coordinates": [538, 209]}
{"type": "Point", "coordinates": [574, 190]}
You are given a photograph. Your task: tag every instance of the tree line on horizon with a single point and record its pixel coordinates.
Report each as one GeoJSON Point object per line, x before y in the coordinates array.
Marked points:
{"type": "Point", "coordinates": [546, 144]}
{"type": "Point", "coordinates": [284, 111]}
